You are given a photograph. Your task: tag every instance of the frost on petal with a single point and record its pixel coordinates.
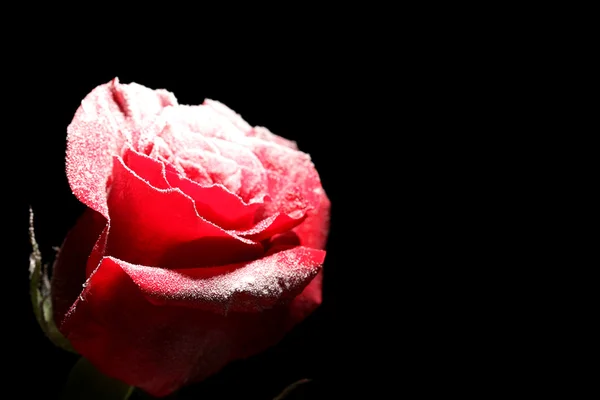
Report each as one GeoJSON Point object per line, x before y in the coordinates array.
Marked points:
{"type": "Point", "coordinates": [110, 116]}
{"type": "Point", "coordinates": [233, 117]}
{"type": "Point", "coordinates": [257, 131]}
{"type": "Point", "coordinates": [314, 230]}
{"type": "Point", "coordinates": [161, 227]}
{"type": "Point", "coordinates": [246, 287]}
{"type": "Point", "coordinates": [275, 224]}
{"type": "Point", "coordinates": [263, 133]}
{"type": "Point", "coordinates": [209, 150]}
{"type": "Point", "coordinates": [292, 177]}
{"type": "Point", "coordinates": [252, 177]}
{"type": "Point", "coordinates": [203, 121]}
{"type": "Point", "coordinates": [90, 148]}
{"type": "Point", "coordinates": [161, 348]}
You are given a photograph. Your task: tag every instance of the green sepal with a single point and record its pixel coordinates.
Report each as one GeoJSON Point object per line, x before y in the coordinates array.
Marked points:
{"type": "Point", "coordinates": [39, 290]}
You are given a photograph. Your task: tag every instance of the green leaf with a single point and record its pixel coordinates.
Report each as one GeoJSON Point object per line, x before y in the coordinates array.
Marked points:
{"type": "Point", "coordinates": [39, 290]}
{"type": "Point", "coordinates": [86, 382]}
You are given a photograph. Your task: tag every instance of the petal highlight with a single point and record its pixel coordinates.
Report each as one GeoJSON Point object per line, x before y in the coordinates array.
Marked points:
{"type": "Point", "coordinates": [151, 226]}
{"type": "Point", "coordinates": [247, 287]}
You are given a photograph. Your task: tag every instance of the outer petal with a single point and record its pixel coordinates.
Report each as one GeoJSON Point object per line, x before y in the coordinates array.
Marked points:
{"type": "Point", "coordinates": [161, 228]}
{"type": "Point", "coordinates": [263, 133]}
{"type": "Point", "coordinates": [68, 272]}
{"type": "Point", "coordinates": [98, 251]}
{"type": "Point", "coordinates": [315, 228]}
{"type": "Point", "coordinates": [111, 115]}
{"type": "Point", "coordinates": [160, 348]}
{"type": "Point", "coordinates": [293, 181]}
{"type": "Point", "coordinates": [272, 225]}
{"type": "Point", "coordinates": [233, 117]}
{"type": "Point", "coordinates": [253, 286]}
{"type": "Point", "coordinates": [237, 120]}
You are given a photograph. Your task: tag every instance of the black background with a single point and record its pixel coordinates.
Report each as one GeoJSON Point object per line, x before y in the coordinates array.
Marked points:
{"type": "Point", "coordinates": [393, 144]}
{"type": "Point", "coordinates": [410, 120]}
{"type": "Point", "coordinates": [306, 100]}
{"type": "Point", "coordinates": [392, 121]}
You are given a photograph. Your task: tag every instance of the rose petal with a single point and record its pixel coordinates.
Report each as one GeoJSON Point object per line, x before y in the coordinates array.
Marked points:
{"type": "Point", "coordinates": [214, 203]}
{"type": "Point", "coordinates": [246, 287]}
{"type": "Point", "coordinates": [90, 146]}
{"type": "Point", "coordinates": [150, 170]}
{"type": "Point", "coordinates": [289, 170]}
{"type": "Point", "coordinates": [237, 120]}
{"type": "Point", "coordinates": [233, 117]}
{"type": "Point", "coordinates": [161, 348]}
{"type": "Point", "coordinates": [263, 133]}
{"type": "Point", "coordinates": [282, 241]}
{"type": "Point", "coordinates": [314, 230]}
{"type": "Point", "coordinates": [68, 272]}
{"type": "Point", "coordinates": [293, 181]}
{"type": "Point", "coordinates": [151, 226]}
{"type": "Point", "coordinates": [218, 136]}
{"type": "Point", "coordinates": [253, 179]}
{"type": "Point", "coordinates": [204, 121]}
{"type": "Point", "coordinates": [109, 116]}
{"type": "Point", "coordinates": [97, 252]}
{"type": "Point", "coordinates": [270, 226]}
{"type": "Point", "coordinates": [198, 135]}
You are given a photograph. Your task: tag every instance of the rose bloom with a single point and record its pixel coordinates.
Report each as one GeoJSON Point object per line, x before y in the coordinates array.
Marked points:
{"type": "Point", "coordinates": [202, 241]}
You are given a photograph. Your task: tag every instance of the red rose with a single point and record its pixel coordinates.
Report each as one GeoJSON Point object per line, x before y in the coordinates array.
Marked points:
{"type": "Point", "coordinates": [202, 242]}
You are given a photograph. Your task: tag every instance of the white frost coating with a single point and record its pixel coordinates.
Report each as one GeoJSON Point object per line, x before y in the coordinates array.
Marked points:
{"type": "Point", "coordinates": [152, 122]}
{"type": "Point", "coordinates": [109, 116]}
{"type": "Point", "coordinates": [235, 118]}
{"type": "Point", "coordinates": [253, 286]}
{"type": "Point", "coordinates": [210, 149]}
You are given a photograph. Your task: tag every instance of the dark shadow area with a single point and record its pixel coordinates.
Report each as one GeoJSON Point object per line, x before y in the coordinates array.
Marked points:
{"type": "Point", "coordinates": [207, 252]}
